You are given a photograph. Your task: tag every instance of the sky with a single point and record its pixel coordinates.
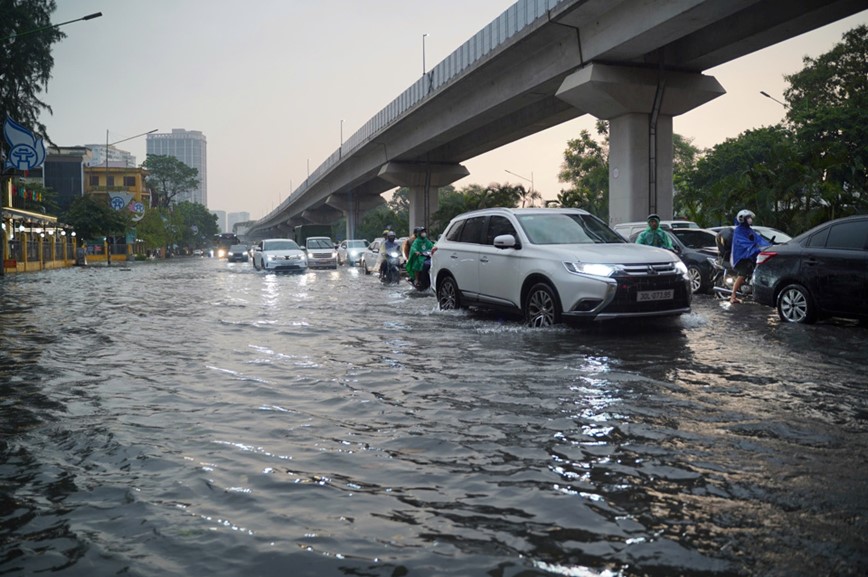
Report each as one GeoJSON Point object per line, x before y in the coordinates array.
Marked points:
{"type": "Point", "coordinates": [275, 84]}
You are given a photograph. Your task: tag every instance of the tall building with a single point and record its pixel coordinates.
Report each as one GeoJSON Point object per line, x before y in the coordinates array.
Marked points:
{"type": "Point", "coordinates": [115, 155]}
{"type": "Point", "coordinates": [234, 218]}
{"type": "Point", "coordinates": [191, 148]}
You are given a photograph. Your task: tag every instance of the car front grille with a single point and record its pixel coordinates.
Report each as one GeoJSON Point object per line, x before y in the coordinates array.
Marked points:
{"type": "Point", "coordinates": [633, 280]}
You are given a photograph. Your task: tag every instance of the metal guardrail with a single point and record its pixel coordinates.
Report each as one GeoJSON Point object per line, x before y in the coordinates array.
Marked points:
{"type": "Point", "coordinates": [516, 18]}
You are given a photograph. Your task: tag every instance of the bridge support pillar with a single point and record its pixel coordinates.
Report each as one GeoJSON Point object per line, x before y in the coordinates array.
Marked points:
{"type": "Point", "coordinates": [424, 181]}
{"type": "Point", "coordinates": [353, 205]}
{"type": "Point", "coordinates": [639, 104]}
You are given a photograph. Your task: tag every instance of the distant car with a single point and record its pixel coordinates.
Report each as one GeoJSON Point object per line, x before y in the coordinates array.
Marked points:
{"type": "Point", "coordinates": [279, 254]}
{"type": "Point", "coordinates": [237, 253]}
{"type": "Point", "coordinates": [368, 259]}
{"type": "Point", "coordinates": [770, 234]}
{"type": "Point", "coordinates": [321, 252]}
{"type": "Point", "coordinates": [698, 251]}
{"type": "Point", "coordinates": [198, 252]}
{"type": "Point", "coordinates": [820, 273]}
{"type": "Point", "coordinates": [350, 251]}
{"type": "Point", "coordinates": [549, 264]}
{"type": "Point", "coordinates": [627, 229]}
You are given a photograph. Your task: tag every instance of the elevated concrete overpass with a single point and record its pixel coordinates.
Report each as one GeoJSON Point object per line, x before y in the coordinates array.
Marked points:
{"type": "Point", "coordinates": [541, 63]}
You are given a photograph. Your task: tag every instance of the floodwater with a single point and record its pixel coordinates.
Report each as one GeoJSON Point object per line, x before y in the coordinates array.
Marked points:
{"type": "Point", "coordinates": [194, 417]}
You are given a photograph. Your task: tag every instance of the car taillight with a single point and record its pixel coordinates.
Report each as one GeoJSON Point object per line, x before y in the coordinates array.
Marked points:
{"type": "Point", "coordinates": [765, 255]}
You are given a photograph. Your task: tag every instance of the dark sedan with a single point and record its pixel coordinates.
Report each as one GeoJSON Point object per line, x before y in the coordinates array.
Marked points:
{"type": "Point", "coordinates": [821, 273]}
{"type": "Point", "coordinates": [697, 250]}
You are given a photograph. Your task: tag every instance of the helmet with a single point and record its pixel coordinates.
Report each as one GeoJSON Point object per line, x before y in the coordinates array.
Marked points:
{"type": "Point", "coordinates": [743, 214]}
{"type": "Point", "coordinates": [653, 217]}
{"type": "Point", "coordinates": [391, 234]}
{"type": "Point", "coordinates": [386, 232]}
{"type": "Point", "coordinates": [418, 229]}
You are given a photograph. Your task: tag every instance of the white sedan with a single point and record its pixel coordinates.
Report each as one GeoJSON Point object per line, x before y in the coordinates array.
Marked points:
{"type": "Point", "coordinates": [279, 254]}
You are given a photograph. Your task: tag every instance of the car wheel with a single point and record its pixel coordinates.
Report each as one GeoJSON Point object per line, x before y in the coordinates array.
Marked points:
{"type": "Point", "coordinates": [448, 296]}
{"type": "Point", "coordinates": [795, 305]}
{"type": "Point", "coordinates": [695, 276]}
{"type": "Point", "coordinates": [255, 264]}
{"type": "Point", "coordinates": [541, 307]}
{"type": "Point", "coordinates": [365, 266]}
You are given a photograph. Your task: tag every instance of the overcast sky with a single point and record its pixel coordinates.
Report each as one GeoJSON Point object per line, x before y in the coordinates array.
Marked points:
{"type": "Point", "coordinates": [269, 81]}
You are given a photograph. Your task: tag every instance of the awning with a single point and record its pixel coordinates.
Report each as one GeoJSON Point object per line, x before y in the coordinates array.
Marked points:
{"type": "Point", "coordinates": [26, 215]}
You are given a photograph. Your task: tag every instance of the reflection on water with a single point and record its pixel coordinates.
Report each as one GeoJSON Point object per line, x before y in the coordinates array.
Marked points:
{"type": "Point", "coordinates": [198, 418]}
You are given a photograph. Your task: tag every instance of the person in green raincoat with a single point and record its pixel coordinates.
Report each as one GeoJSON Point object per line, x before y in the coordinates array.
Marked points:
{"type": "Point", "coordinates": [654, 235]}
{"type": "Point", "coordinates": [416, 260]}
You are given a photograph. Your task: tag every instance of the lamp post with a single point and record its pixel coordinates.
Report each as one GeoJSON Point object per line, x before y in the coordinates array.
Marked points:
{"type": "Point", "coordinates": [767, 95]}
{"type": "Point", "coordinates": [530, 180]}
{"type": "Point", "coordinates": [341, 149]}
{"type": "Point", "coordinates": [108, 255]}
{"type": "Point", "coordinates": [424, 68]}
{"type": "Point", "coordinates": [88, 17]}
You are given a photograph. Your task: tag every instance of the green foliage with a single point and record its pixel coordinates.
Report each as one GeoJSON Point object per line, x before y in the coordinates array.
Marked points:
{"type": "Point", "coordinates": [93, 219]}
{"type": "Point", "coordinates": [168, 177]}
{"type": "Point", "coordinates": [586, 170]}
{"type": "Point", "coordinates": [25, 60]}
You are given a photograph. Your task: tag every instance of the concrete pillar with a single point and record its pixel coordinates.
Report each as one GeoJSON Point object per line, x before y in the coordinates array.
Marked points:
{"type": "Point", "coordinates": [353, 205]}
{"type": "Point", "coordinates": [639, 104]}
{"type": "Point", "coordinates": [423, 180]}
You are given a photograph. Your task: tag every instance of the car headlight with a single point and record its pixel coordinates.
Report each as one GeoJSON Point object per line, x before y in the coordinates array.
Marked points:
{"type": "Point", "coordinates": [682, 268]}
{"type": "Point", "coordinates": [593, 269]}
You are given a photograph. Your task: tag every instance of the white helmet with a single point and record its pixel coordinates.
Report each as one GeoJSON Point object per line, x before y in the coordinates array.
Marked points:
{"type": "Point", "coordinates": [743, 214]}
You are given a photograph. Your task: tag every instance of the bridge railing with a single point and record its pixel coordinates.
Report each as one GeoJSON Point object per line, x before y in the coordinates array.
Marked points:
{"type": "Point", "coordinates": [516, 18]}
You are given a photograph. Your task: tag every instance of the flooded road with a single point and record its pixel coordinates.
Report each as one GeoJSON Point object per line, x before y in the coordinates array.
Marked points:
{"type": "Point", "coordinates": [194, 417]}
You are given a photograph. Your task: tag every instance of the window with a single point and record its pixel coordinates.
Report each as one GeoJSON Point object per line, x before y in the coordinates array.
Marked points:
{"type": "Point", "coordinates": [819, 239]}
{"type": "Point", "coordinates": [454, 233]}
{"type": "Point", "coordinates": [129, 181]}
{"type": "Point", "coordinates": [110, 181]}
{"type": "Point", "coordinates": [497, 226]}
{"type": "Point", "coordinates": [472, 230]}
{"type": "Point", "coordinates": [94, 180]}
{"type": "Point", "coordinates": [848, 235]}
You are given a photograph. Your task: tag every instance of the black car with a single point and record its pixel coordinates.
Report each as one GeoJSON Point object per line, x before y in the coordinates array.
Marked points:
{"type": "Point", "coordinates": [237, 253]}
{"type": "Point", "coordinates": [821, 273]}
{"type": "Point", "coordinates": [697, 250]}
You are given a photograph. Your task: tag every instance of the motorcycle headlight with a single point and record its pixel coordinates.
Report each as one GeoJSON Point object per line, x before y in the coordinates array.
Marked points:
{"type": "Point", "coordinates": [593, 269]}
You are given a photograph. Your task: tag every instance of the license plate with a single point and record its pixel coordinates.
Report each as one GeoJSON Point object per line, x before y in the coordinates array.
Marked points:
{"type": "Point", "coordinates": [663, 295]}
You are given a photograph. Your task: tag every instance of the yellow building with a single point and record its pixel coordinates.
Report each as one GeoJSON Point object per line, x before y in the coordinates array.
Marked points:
{"type": "Point", "coordinates": [123, 188]}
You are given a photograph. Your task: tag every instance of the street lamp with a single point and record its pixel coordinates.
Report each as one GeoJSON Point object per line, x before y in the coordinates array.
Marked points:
{"type": "Point", "coordinates": [530, 180]}
{"type": "Point", "coordinates": [767, 95]}
{"type": "Point", "coordinates": [108, 249]}
{"type": "Point", "coordinates": [424, 68]}
{"type": "Point", "coordinates": [88, 17]}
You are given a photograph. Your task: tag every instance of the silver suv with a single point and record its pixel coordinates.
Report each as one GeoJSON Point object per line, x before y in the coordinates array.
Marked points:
{"type": "Point", "coordinates": [550, 263]}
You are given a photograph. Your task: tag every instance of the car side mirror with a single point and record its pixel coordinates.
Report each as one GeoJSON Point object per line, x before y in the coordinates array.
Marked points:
{"type": "Point", "coordinates": [505, 241]}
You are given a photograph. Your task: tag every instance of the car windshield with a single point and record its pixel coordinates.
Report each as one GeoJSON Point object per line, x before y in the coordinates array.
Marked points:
{"type": "Point", "coordinates": [560, 228]}
{"type": "Point", "coordinates": [318, 243]}
{"type": "Point", "coordinates": [356, 244]}
{"type": "Point", "coordinates": [694, 238]}
{"type": "Point", "coordinates": [237, 248]}
{"type": "Point", "coordinates": [281, 245]}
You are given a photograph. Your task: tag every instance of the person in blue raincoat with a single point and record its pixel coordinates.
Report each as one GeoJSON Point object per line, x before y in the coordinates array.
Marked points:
{"type": "Point", "coordinates": [746, 245]}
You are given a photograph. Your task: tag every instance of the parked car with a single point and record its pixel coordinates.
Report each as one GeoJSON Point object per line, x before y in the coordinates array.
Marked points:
{"type": "Point", "coordinates": [350, 251]}
{"type": "Point", "coordinates": [237, 253]}
{"type": "Point", "coordinates": [321, 252]}
{"type": "Point", "coordinates": [627, 229]}
{"type": "Point", "coordinates": [697, 249]}
{"type": "Point", "coordinates": [770, 234]}
{"type": "Point", "coordinates": [550, 264]}
{"type": "Point", "coordinates": [820, 273]}
{"type": "Point", "coordinates": [279, 254]}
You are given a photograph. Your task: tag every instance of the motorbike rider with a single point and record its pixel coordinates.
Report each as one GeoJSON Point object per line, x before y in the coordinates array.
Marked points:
{"type": "Point", "coordinates": [389, 245]}
{"type": "Point", "coordinates": [746, 245]}
{"type": "Point", "coordinates": [405, 248]}
{"type": "Point", "coordinates": [417, 260]}
{"type": "Point", "coordinates": [654, 235]}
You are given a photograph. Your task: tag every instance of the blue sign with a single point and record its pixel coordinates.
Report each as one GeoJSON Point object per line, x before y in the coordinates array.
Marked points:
{"type": "Point", "coordinates": [26, 151]}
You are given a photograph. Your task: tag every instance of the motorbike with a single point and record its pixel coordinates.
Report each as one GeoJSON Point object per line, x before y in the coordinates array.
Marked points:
{"type": "Point", "coordinates": [723, 280]}
{"type": "Point", "coordinates": [391, 268]}
{"type": "Point", "coordinates": [423, 278]}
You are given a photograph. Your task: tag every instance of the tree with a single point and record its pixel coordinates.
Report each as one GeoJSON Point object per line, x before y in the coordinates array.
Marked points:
{"type": "Point", "coordinates": [195, 224]}
{"type": "Point", "coordinates": [26, 61]}
{"type": "Point", "coordinates": [168, 177]}
{"type": "Point", "coordinates": [586, 170]}
{"type": "Point", "coordinates": [828, 112]}
{"type": "Point", "coordinates": [93, 219]}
